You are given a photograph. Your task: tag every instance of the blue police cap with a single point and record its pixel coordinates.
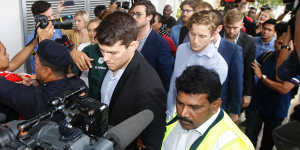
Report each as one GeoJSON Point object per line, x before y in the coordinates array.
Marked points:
{"type": "Point", "coordinates": [54, 53]}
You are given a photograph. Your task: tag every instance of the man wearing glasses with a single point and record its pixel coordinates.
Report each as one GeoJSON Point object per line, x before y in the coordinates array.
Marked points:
{"type": "Point", "coordinates": [151, 45]}
{"type": "Point", "coordinates": [179, 31]}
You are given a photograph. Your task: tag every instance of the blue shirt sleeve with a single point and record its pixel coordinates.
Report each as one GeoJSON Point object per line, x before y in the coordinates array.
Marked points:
{"type": "Point", "coordinates": [31, 58]}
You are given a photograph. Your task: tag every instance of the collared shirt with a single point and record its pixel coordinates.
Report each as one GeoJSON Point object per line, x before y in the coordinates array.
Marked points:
{"type": "Point", "coordinates": [182, 139]}
{"type": "Point", "coordinates": [109, 84]}
{"type": "Point", "coordinates": [217, 43]}
{"type": "Point", "coordinates": [175, 33]}
{"type": "Point", "coordinates": [143, 41]}
{"type": "Point", "coordinates": [262, 47]}
{"type": "Point", "coordinates": [210, 58]}
{"type": "Point", "coordinates": [56, 35]}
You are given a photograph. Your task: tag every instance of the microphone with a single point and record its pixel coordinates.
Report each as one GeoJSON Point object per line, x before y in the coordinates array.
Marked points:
{"type": "Point", "coordinates": [124, 133]}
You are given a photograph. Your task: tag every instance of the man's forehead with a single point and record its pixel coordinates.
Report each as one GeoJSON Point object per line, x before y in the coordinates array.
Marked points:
{"type": "Point", "coordinates": [109, 47]}
{"type": "Point", "coordinates": [139, 8]}
{"type": "Point", "coordinates": [191, 99]}
{"type": "Point", "coordinates": [269, 26]}
{"type": "Point", "coordinates": [234, 24]}
{"type": "Point", "coordinates": [187, 6]}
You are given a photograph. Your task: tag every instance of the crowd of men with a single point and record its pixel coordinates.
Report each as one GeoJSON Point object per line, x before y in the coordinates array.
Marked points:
{"type": "Point", "coordinates": [197, 74]}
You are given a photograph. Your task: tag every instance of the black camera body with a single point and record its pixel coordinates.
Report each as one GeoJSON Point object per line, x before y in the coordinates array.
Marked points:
{"type": "Point", "coordinates": [65, 22]}
{"type": "Point", "coordinates": [85, 120]}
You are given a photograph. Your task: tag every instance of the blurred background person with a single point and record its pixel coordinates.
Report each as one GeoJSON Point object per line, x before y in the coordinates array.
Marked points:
{"type": "Point", "coordinates": [168, 20]}
{"type": "Point", "coordinates": [99, 11]}
{"type": "Point", "coordinates": [265, 14]}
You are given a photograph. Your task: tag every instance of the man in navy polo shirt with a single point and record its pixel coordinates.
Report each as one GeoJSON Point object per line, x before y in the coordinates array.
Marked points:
{"type": "Point", "coordinates": [272, 98]}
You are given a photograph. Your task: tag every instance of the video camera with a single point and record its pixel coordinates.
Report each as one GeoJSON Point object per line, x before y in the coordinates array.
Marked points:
{"type": "Point", "coordinates": [84, 127]}
{"type": "Point", "coordinates": [84, 119]}
{"type": "Point", "coordinates": [65, 22]}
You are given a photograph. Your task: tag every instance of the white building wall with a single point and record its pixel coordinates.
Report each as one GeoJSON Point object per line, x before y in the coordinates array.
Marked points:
{"type": "Point", "coordinates": [11, 29]}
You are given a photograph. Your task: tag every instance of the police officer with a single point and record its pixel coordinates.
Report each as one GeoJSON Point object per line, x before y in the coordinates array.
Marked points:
{"type": "Point", "coordinates": [52, 61]}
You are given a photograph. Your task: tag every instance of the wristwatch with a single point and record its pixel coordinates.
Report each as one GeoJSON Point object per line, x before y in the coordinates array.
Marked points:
{"type": "Point", "coordinates": [263, 77]}
{"type": "Point", "coordinates": [285, 47]}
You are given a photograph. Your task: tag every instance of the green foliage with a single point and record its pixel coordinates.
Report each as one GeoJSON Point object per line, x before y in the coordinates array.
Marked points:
{"type": "Point", "coordinates": [271, 3]}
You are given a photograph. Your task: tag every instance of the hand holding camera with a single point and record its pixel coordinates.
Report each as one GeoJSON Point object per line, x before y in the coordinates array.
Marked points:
{"type": "Point", "coordinates": [45, 33]}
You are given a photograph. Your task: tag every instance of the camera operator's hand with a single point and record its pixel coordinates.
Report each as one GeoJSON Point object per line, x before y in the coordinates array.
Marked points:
{"type": "Point", "coordinates": [82, 61]}
{"type": "Point", "coordinates": [46, 33]}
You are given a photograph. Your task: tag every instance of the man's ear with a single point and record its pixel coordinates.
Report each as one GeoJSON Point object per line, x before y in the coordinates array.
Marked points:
{"type": "Point", "coordinates": [215, 105]}
{"type": "Point", "coordinates": [133, 45]}
{"type": "Point", "coordinates": [149, 17]}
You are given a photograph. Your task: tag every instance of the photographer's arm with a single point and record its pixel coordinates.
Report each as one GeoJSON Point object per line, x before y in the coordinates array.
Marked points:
{"type": "Point", "coordinates": [21, 57]}
{"type": "Point", "coordinates": [59, 8]}
{"type": "Point", "coordinates": [112, 8]}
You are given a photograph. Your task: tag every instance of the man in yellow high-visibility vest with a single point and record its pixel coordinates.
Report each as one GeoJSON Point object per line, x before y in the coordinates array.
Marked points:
{"type": "Point", "coordinates": [200, 123]}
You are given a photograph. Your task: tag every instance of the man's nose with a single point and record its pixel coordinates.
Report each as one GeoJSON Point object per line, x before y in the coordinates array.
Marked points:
{"type": "Point", "coordinates": [185, 112]}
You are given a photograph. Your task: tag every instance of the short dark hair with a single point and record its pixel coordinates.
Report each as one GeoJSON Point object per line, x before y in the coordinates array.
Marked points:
{"type": "Point", "coordinates": [150, 8]}
{"type": "Point", "coordinates": [118, 26]}
{"type": "Point", "coordinates": [270, 21]}
{"type": "Point", "coordinates": [39, 7]}
{"type": "Point", "coordinates": [199, 80]}
{"type": "Point", "coordinates": [265, 7]}
{"type": "Point", "coordinates": [159, 17]}
{"type": "Point", "coordinates": [98, 10]}
{"type": "Point", "coordinates": [280, 28]}
{"type": "Point", "coordinates": [56, 69]}
{"type": "Point", "coordinates": [253, 8]}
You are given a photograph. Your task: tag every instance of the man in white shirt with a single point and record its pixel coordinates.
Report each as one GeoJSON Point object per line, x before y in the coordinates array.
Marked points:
{"type": "Point", "coordinates": [202, 123]}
